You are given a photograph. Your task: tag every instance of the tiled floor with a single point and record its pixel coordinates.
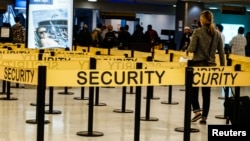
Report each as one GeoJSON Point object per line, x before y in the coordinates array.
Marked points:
{"type": "Point", "coordinates": [74, 117]}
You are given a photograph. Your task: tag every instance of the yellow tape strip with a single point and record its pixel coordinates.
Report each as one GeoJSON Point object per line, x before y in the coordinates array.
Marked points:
{"type": "Point", "coordinates": [115, 77]}
{"type": "Point", "coordinates": [19, 75]}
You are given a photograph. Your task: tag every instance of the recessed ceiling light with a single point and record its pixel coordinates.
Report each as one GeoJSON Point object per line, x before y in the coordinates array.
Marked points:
{"type": "Point", "coordinates": [92, 0]}
{"type": "Point", "coordinates": [212, 8]}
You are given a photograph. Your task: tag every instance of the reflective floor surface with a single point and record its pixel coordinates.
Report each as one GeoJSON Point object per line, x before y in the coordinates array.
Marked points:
{"type": "Point", "coordinates": [70, 119]}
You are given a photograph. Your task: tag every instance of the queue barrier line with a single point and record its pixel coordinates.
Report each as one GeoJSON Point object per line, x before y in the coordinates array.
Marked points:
{"type": "Point", "coordinates": [171, 76]}
{"type": "Point", "coordinates": [134, 71]}
{"type": "Point", "coordinates": [243, 60]}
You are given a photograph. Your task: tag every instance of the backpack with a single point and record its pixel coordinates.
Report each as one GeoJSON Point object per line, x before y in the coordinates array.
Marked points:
{"type": "Point", "coordinates": [95, 36]}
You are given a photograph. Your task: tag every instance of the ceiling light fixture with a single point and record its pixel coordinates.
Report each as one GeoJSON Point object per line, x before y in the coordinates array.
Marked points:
{"type": "Point", "coordinates": [213, 8]}
{"type": "Point", "coordinates": [92, 0]}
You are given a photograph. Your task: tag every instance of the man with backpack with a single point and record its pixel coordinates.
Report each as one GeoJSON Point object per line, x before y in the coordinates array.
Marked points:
{"type": "Point", "coordinates": [96, 36]}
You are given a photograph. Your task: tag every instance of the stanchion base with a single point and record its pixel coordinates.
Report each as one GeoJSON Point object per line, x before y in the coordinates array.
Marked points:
{"type": "Point", "coordinates": [34, 121]}
{"type": "Point", "coordinates": [2, 93]}
{"type": "Point", "coordinates": [100, 104]}
{"type": "Point", "coordinates": [122, 111]}
{"type": "Point", "coordinates": [172, 103]}
{"type": "Point", "coordinates": [90, 134]}
{"type": "Point", "coordinates": [68, 93]}
{"type": "Point", "coordinates": [34, 104]}
{"type": "Point", "coordinates": [5, 98]}
{"type": "Point", "coordinates": [153, 98]}
{"type": "Point", "coordinates": [221, 97]}
{"type": "Point", "coordinates": [182, 89]}
{"type": "Point", "coordinates": [220, 117]}
{"type": "Point", "coordinates": [108, 87]}
{"type": "Point", "coordinates": [150, 119]}
{"type": "Point", "coordinates": [79, 98]}
{"type": "Point", "coordinates": [21, 87]}
{"type": "Point", "coordinates": [53, 112]}
{"type": "Point", "coordinates": [192, 130]}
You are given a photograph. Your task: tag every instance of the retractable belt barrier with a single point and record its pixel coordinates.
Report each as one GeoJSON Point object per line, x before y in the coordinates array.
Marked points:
{"type": "Point", "coordinates": [117, 73]}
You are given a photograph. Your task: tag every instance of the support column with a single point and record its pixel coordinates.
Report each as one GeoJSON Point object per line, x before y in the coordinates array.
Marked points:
{"type": "Point", "coordinates": [186, 13]}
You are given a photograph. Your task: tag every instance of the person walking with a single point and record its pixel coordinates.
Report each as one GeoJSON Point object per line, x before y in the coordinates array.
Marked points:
{"type": "Point", "coordinates": [204, 43]}
{"type": "Point", "coordinates": [151, 36]}
{"type": "Point", "coordinates": [84, 37]}
{"type": "Point", "coordinates": [185, 39]}
{"type": "Point", "coordinates": [238, 43]}
{"type": "Point", "coordinates": [110, 38]}
{"type": "Point", "coordinates": [17, 31]}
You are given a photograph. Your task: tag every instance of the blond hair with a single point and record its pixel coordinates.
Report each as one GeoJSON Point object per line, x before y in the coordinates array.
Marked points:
{"type": "Point", "coordinates": [207, 20]}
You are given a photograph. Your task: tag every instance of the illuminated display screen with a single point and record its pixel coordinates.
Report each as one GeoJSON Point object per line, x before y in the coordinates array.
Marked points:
{"type": "Point", "coordinates": [20, 4]}
{"type": "Point", "coordinates": [50, 24]}
{"type": "Point", "coordinates": [230, 30]}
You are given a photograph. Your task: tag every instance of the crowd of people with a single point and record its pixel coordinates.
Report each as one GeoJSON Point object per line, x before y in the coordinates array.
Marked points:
{"type": "Point", "coordinates": [238, 45]}
{"type": "Point", "coordinates": [105, 36]}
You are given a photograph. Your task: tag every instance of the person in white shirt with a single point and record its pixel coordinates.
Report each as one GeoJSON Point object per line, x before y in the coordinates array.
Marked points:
{"type": "Point", "coordinates": [238, 43]}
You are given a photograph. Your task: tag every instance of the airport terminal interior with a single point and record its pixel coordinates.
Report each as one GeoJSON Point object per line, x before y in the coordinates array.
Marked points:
{"type": "Point", "coordinates": [69, 116]}
{"type": "Point", "coordinates": [115, 115]}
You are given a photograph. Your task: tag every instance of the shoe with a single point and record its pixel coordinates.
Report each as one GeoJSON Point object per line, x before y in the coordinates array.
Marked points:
{"type": "Point", "coordinates": [195, 118]}
{"type": "Point", "coordinates": [203, 121]}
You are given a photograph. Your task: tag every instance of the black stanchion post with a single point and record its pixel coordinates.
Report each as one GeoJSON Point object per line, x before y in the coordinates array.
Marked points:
{"type": "Point", "coordinates": [51, 99]}
{"type": "Point", "coordinates": [8, 93]}
{"type": "Point", "coordinates": [236, 115]}
{"type": "Point", "coordinates": [6, 84]}
{"type": "Point", "coordinates": [40, 58]}
{"type": "Point", "coordinates": [97, 91]}
{"type": "Point", "coordinates": [131, 87]}
{"type": "Point", "coordinates": [137, 108]}
{"type": "Point", "coordinates": [88, 48]}
{"type": "Point", "coordinates": [170, 88]}
{"type": "Point", "coordinates": [148, 100]}
{"type": "Point", "coordinates": [123, 109]}
{"type": "Point", "coordinates": [150, 89]}
{"type": "Point", "coordinates": [97, 103]}
{"type": "Point", "coordinates": [131, 90]}
{"type": "Point", "coordinates": [66, 92]}
{"type": "Point", "coordinates": [40, 100]}
{"type": "Point", "coordinates": [82, 97]}
{"type": "Point", "coordinates": [226, 94]}
{"type": "Point", "coordinates": [41, 88]}
{"type": "Point", "coordinates": [187, 116]}
{"type": "Point", "coordinates": [109, 48]}
{"type": "Point", "coordinates": [3, 87]}
{"type": "Point", "coordinates": [90, 131]}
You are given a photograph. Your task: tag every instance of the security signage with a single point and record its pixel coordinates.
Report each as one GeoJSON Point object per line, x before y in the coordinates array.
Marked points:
{"type": "Point", "coordinates": [19, 75]}
{"type": "Point", "coordinates": [131, 77]}
{"type": "Point", "coordinates": [219, 77]}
